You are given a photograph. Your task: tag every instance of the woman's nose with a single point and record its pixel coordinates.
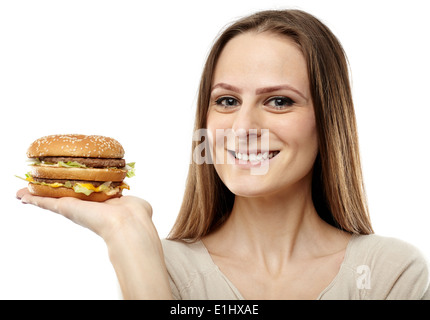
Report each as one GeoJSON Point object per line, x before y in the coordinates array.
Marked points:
{"type": "Point", "coordinates": [246, 121]}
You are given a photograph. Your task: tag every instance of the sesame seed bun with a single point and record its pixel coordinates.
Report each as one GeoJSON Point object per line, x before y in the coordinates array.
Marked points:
{"type": "Point", "coordinates": [76, 145]}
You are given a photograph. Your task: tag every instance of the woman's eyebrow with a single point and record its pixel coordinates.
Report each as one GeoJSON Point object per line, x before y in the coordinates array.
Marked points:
{"type": "Point", "coordinates": [277, 88]}
{"type": "Point", "coordinates": [227, 87]}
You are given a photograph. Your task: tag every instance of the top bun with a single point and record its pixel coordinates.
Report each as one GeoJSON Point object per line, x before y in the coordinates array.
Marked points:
{"type": "Point", "coordinates": [76, 145]}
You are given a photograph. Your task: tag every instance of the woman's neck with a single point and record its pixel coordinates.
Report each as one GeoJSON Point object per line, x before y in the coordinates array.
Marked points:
{"type": "Point", "coordinates": [284, 225]}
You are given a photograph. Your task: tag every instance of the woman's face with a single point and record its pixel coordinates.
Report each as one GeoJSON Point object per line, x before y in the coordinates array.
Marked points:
{"type": "Point", "coordinates": [261, 119]}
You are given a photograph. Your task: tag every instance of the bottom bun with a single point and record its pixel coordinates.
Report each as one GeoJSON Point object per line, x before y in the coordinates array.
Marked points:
{"type": "Point", "coordinates": [46, 191]}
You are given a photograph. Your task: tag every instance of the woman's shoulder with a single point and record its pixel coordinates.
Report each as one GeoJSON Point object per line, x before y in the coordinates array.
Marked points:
{"type": "Point", "coordinates": [180, 246]}
{"type": "Point", "coordinates": [186, 258]}
{"type": "Point", "coordinates": [185, 252]}
{"type": "Point", "coordinates": [377, 250]}
{"type": "Point", "coordinates": [395, 268]}
{"type": "Point", "coordinates": [381, 247]}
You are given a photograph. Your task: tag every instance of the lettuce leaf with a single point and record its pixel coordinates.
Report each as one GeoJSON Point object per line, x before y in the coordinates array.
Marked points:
{"type": "Point", "coordinates": [104, 187]}
{"type": "Point", "coordinates": [27, 177]}
{"type": "Point", "coordinates": [131, 171]}
{"type": "Point", "coordinates": [82, 189]}
{"type": "Point", "coordinates": [71, 164]}
{"type": "Point", "coordinates": [33, 161]}
{"type": "Point", "coordinates": [68, 164]}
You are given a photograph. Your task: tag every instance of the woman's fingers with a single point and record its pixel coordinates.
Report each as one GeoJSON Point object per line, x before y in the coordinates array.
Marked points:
{"type": "Point", "coordinates": [100, 217]}
{"type": "Point", "coordinates": [20, 193]}
{"type": "Point", "coordinates": [85, 213]}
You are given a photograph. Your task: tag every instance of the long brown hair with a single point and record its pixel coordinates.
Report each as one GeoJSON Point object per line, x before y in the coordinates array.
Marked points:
{"type": "Point", "coordinates": [337, 185]}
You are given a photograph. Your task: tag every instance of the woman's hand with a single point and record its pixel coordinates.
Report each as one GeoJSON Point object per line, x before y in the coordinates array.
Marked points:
{"type": "Point", "coordinates": [104, 218]}
{"type": "Point", "coordinates": [125, 225]}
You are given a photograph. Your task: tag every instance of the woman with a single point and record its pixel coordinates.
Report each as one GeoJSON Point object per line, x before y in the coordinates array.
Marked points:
{"type": "Point", "coordinates": [277, 210]}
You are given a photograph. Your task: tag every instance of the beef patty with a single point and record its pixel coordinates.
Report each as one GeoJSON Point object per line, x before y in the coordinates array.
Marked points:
{"type": "Point", "coordinates": [88, 162]}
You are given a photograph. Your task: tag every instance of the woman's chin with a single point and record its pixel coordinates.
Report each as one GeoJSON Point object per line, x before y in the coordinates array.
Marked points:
{"type": "Point", "coordinates": [248, 189]}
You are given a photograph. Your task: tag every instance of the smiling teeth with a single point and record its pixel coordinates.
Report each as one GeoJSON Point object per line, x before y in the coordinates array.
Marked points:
{"type": "Point", "coordinates": [255, 157]}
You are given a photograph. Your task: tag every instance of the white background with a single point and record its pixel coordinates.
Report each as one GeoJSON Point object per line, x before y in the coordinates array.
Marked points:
{"type": "Point", "coordinates": [130, 70]}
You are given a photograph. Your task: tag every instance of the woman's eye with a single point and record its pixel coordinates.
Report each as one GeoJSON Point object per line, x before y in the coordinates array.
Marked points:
{"type": "Point", "coordinates": [280, 102]}
{"type": "Point", "coordinates": [227, 102]}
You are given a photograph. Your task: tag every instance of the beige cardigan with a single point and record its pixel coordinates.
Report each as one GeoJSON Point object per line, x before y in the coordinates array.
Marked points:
{"type": "Point", "coordinates": [374, 267]}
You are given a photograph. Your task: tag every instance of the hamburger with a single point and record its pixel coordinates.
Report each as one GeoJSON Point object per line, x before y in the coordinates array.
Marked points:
{"type": "Point", "coordinates": [87, 167]}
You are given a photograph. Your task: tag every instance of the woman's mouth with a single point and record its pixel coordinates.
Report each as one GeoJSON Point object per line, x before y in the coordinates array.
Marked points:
{"type": "Point", "coordinates": [254, 157]}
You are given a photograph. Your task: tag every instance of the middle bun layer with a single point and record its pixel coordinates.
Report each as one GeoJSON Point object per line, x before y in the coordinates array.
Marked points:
{"type": "Point", "coordinates": [87, 174]}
